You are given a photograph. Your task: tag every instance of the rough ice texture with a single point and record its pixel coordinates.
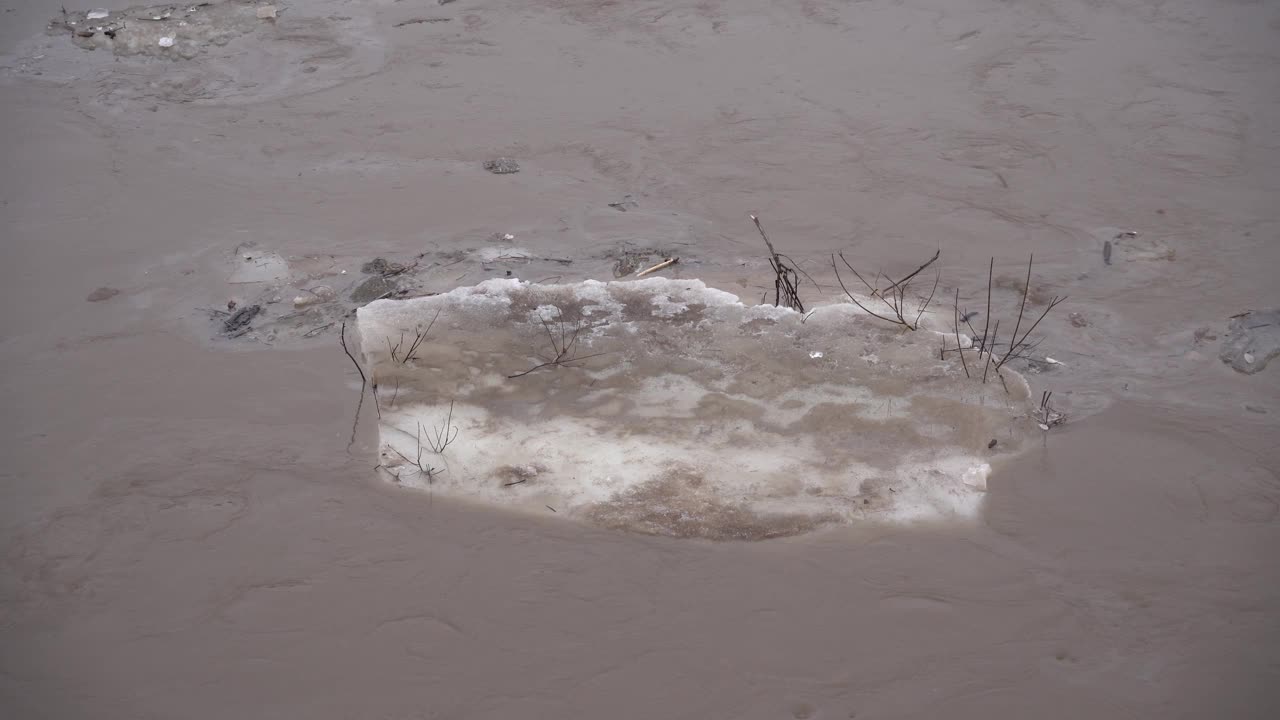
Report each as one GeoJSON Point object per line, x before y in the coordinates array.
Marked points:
{"type": "Point", "coordinates": [683, 412]}
{"type": "Point", "coordinates": [1252, 341]}
{"type": "Point", "coordinates": [171, 31]}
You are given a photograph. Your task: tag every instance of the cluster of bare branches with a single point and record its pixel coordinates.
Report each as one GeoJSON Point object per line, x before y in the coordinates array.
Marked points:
{"type": "Point", "coordinates": [894, 295]}
{"type": "Point", "coordinates": [564, 347]}
{"type": "Point", "coordinates": [411, 353]}
{"type": "Point", "coordinates": [1017, 346]}
{"type": "Point", "coordinates": [437, 439]}
{"type": "Point", "coordinates": [1047, 416]}
{"type": "Point", "coordinates": [444, 435]}
{"type": "Point", "coordinates": [423, 469]}
{"type": "Point", "coordinates": [786, 278]}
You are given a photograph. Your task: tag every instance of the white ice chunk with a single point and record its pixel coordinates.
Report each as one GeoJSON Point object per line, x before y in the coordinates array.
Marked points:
{"type": "Point", "coordinates": [604, 402]}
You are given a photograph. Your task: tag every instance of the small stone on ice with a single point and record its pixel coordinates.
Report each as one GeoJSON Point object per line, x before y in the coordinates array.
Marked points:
{"type": "Point", "coordinates": [166, 41]}
{"type": "Point", "coordinates": [1248, 357]}
{"type": "Point", "coordinates": [502, 166]}
{"type": "Point", "coordinates": [267, 12]}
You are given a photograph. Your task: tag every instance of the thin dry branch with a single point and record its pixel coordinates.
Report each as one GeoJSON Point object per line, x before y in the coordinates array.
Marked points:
{"type": "Point", "coordinates": [664, 264]}
{"type": "Point", "coordinates": [411, 353]}
{"type": "Point", "coordinates": [786, 279]}
{"type": "Point", "coordinates": [959, 348]}
{"type": "Point", "coordinates": [1026, 290]}
{"type": "Point", "coordinates": [444, 435]}
{"type": "Point", "coordinates": [894, 296]}
{"type": "Point", "coordinates": [991, 267]}
{"type": "Point", "coordinates": [563, 347]}
{"type": "Point", "coordinates": [1048, 417]}
{"type": "Point", "coordinates": [1019, 347]}
{"type": "Point", "coordinates": [850, 295]}
{"type": "Point", "coordinates": [364, 382]}
{"type": "Point", "coordinates": [987, 367]}
{"type": "Point", "coordinates": [918, 270]}
{"type": "Point", "coordinates": [925, 305]}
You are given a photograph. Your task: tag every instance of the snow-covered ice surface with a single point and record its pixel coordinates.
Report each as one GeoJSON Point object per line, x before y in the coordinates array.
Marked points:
{"type": "Point", "coordinates": [677, 410]}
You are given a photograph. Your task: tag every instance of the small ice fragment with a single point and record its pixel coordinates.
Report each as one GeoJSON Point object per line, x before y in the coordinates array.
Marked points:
{"type": "Point", "coordinates": [508, 236]}
{"type": "Point", "coordinates": [1051, 361]}
{"type": "Point", "coordinates": [166, 41]}
{"type": "Point", "coordinates": [1248, 357]}
{"type": "Point", "coordinates": [267, 12]}
{"type": "Point", "coordinates": [815, 354]}
{"type": "Point", "coordinates": [976, 476]}
{"type": "Point", "coordinates": [97, 14]}
{"type": "Point", "coordinates": [1043, 426]}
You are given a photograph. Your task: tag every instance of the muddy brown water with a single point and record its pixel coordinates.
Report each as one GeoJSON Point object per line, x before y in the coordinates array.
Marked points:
{"type": "Point", "coordinates": [186, 531]}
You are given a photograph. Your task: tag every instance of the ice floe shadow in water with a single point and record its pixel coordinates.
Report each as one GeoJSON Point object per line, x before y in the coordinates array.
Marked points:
{"type": "Point", "coordinates": [667, 407]}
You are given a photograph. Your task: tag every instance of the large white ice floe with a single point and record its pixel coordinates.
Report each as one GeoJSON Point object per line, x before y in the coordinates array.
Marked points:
{"type": "Point", "coordinates": [668, 407]}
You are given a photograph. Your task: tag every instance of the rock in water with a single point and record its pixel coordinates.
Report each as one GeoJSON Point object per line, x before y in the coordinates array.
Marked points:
{"type": "Point", "coordinates": [502, 166]}
{"type": "Point", "coordinates": [102, 293]}
{"type": "Point", "coordinates": [372, 289]}
{"type": "Point", "coordinates": [667, 407]}
{"type": "Point", "coordinates": [1252, 340]}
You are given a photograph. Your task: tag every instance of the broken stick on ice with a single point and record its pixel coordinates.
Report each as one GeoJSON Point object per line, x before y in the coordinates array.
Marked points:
{"type": "Point", "coordinates": [664, 264]}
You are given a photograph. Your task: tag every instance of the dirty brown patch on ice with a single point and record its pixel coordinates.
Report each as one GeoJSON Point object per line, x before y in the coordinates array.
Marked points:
{"type": "Point", "coordinates": [667, 407]}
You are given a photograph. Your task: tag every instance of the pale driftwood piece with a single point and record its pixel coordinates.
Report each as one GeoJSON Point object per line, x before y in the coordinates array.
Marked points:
{"type": "Point", "coordinates": [664, 264]}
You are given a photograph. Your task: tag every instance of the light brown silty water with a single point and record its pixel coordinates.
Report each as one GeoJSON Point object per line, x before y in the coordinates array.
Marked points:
{"type": "Point", "coordinates": [189, 530]}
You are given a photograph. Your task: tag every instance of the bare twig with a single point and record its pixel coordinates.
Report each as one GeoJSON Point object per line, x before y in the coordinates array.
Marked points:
{"type": "Point", "coordinates": [850, 295]}
{"type": "Point", "coordinates": [364, 382]}
{"type": "Point", "coordinates": [411, 353]}
{"type": "Point", "coordinates": [444, 435]}
{"type": "Point", "coordinates": [419, 21]}
{"type": "Point", "coordinates": [1026, 289]}
{"type": "Point", "coordinates": [664, 264]}
{"type": "Point", "coordinates": [918, 270]}
{"type": "Point", "coordinates": [1047, 417]}
{"type": "Point", "coordinates": [316, 331]}
{"type": "Point", "coordinates": [987, 325]}
{"type": "Point", "coordinates": [894, 296]}
{"type": "Point", "coordinates": [427, 470]}
{"type": "Point", "coordinates": [994, 331]}
{"type": "Point", "coordinates": [1018, 347]}
{"type": "Point", "coordinates": [925, 305]}
{"type": "Point", "coordinates": [960, 349]}
{"type": "Point", "coordinates": [395, 351]}
{"type": "Point", "coordinates": [564, 348]}
{"type": "Point", "coordinates": [786, 280]}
